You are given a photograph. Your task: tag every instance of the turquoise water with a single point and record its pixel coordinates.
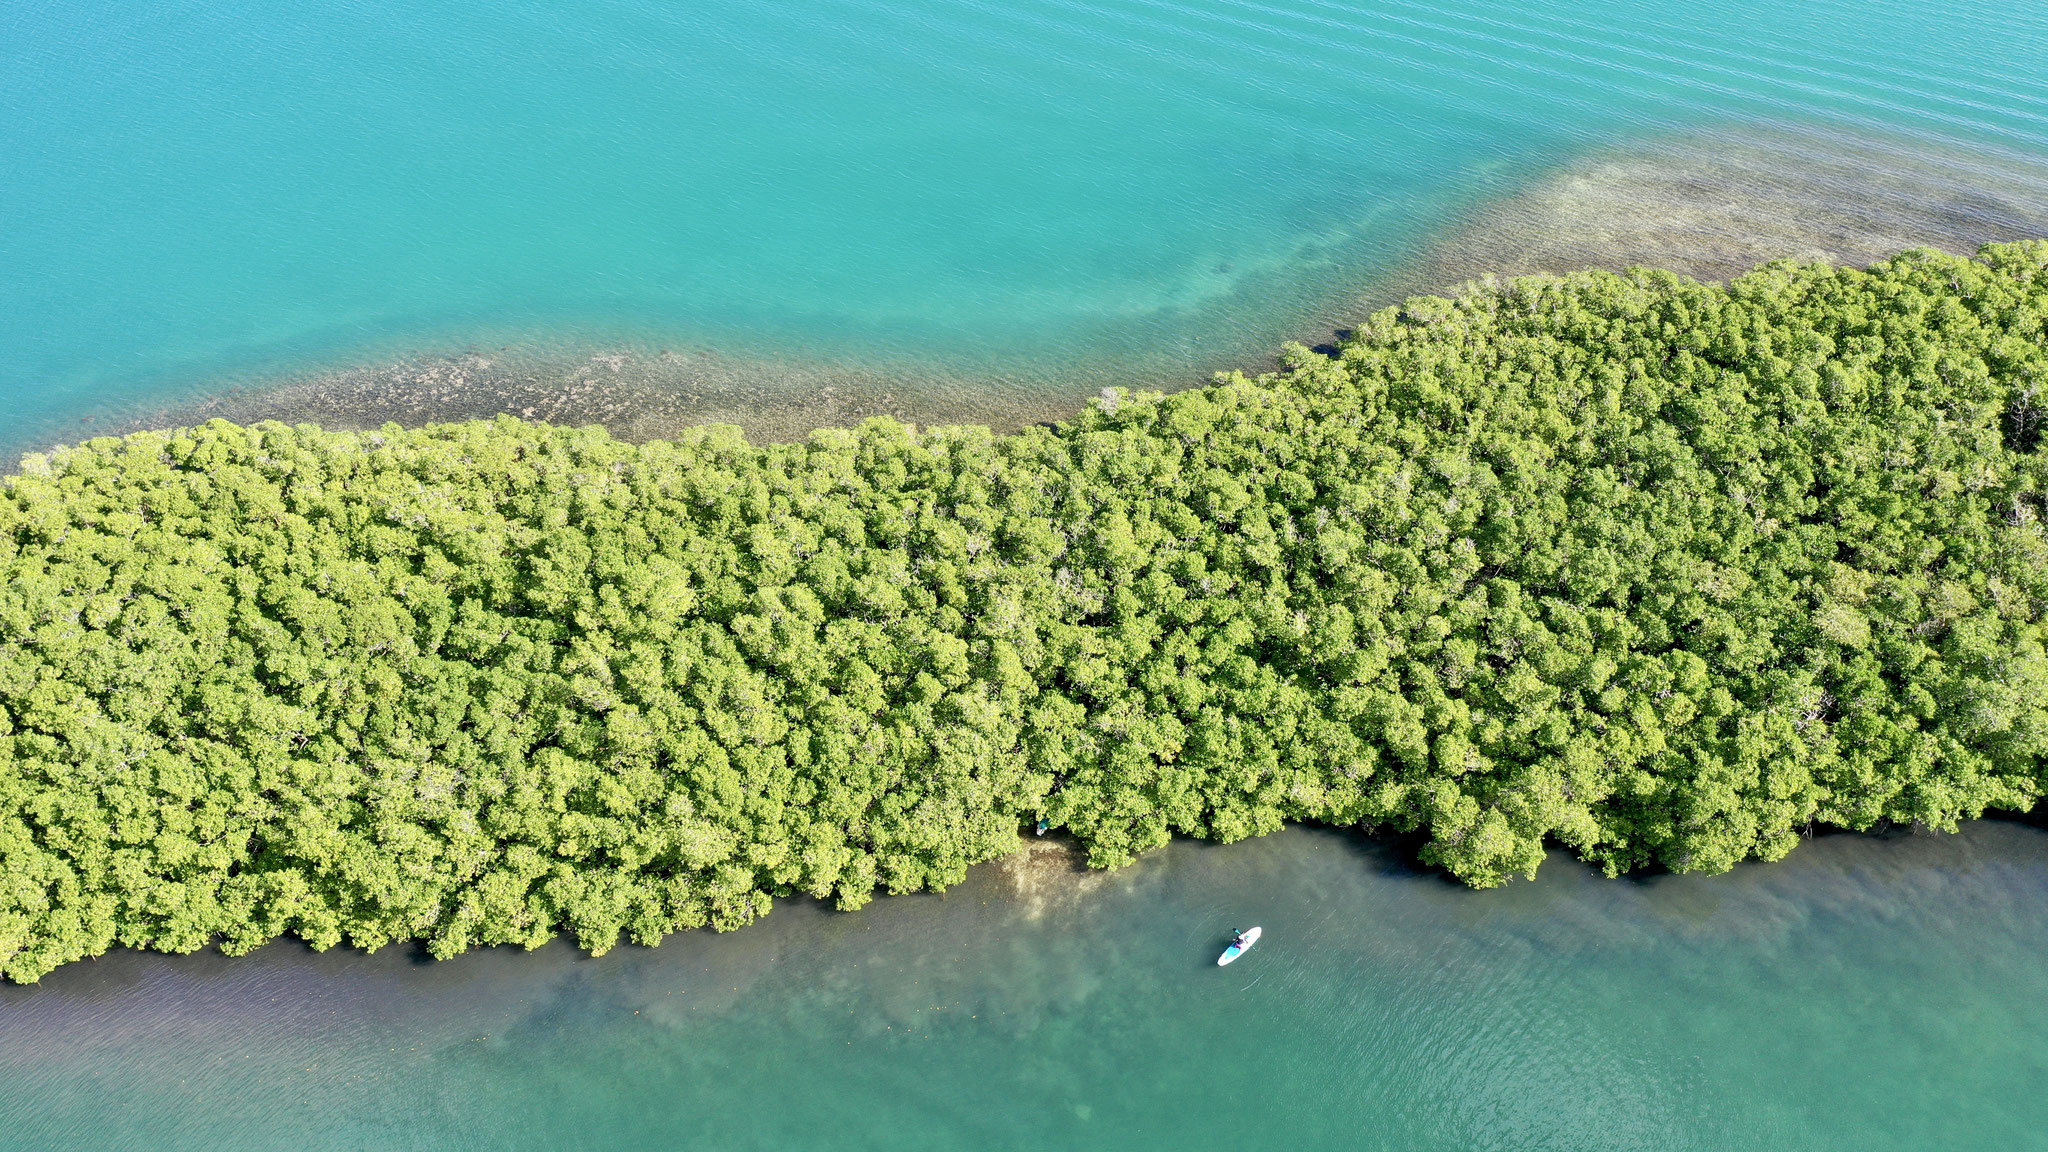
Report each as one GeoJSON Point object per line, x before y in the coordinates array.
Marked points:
{"type": "Point", "coordinates": [1020, 195]}
{"type": "Point", "coordinates": [788, 212]}
{"type": "Point", "coordinates": [1866, 993]}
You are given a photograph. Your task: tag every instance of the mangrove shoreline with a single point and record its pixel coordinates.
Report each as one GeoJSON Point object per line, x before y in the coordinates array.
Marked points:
{"type": "Point", "coordinates": [1662, 572]}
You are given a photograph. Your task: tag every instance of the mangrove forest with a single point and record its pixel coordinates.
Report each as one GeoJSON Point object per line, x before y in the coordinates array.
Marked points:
{"type": "Point", "coordinates": [1663, 573]}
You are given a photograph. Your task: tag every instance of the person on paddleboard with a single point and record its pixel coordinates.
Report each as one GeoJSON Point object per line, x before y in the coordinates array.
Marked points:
{"type": "Point", "coordinates": [1240, 943]}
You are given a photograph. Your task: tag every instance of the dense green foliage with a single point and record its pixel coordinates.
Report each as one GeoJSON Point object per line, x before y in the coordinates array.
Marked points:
{"type": "Point", "coordinates": [1662, 572]}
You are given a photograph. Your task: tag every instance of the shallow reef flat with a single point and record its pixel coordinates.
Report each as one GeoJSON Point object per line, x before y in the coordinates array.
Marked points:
{"type": "Point", "coordinates": [636, 392]}
{"type": "Point", "coordinates": [1712, 205]}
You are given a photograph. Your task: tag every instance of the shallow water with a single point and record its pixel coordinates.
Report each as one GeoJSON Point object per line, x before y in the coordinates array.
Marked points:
{"type": "Point", "coordinates": [785, 213]}
{"type": "Point", "coordinates": [1869, 992]}
{"type": "Point", "coordinates": [792, 212]}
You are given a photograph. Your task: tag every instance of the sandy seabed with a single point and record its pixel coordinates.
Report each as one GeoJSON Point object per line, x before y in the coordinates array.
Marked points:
{"type": "Point", "coordinates": [1714, 205]}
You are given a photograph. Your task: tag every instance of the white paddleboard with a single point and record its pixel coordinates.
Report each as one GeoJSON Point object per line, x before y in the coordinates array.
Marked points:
{"type": "Point", "coordinates": [1251, 937]}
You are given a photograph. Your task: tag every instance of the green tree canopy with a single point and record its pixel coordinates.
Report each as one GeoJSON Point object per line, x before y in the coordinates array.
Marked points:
{"type": "Point", "coordinates": [1663, 572]}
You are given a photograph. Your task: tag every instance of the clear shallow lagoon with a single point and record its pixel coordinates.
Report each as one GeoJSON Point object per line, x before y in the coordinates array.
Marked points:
{"type": "Point", "coordinates": [1869, 992]}
{"type": "Point", "coordinates": [949, 208]}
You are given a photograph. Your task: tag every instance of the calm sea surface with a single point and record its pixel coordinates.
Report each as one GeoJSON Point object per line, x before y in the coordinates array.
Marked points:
{"type": "Point", "coordinates": [653, 212]}
{"type": "Point", "coordinates": [786, 212]}
{"type": "Point", "coordinates": [1867, 993]}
